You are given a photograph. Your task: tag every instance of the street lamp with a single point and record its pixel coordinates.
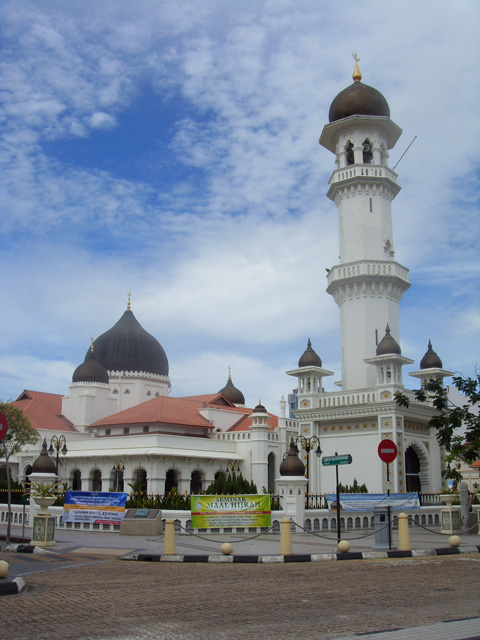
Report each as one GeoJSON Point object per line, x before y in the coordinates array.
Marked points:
{"type": "Point", "coordinates": [307, 445]}
{"type": "Point", "coordinates": [55, 445]}
{"type": "Point", "coordinates": [118, 468]}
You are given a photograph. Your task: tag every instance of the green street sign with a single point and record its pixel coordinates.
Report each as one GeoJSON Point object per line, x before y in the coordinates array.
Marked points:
{"type": "Point", "coordinates": [329, 461]}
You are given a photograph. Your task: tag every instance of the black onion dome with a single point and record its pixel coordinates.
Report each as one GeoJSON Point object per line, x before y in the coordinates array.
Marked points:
{"type": "Point", "coordinates": [358, 100]}
{"type": "Point", "coordinates": [388, 345]}
{"type": "Point", "coordinates": [90, 370]}
{"type": "Point", "coordinates": [292, 465]}
{"type": "Point", "coordinates": [128, 347]}
{"type": "Point", "coordinates": [309, 358]}
{"type": "Point", "coordinates": [230, 391]}
{"type": "Point", "coordinates": [430, 360]}
{"type": "Point", "coordinates": [44, 464]}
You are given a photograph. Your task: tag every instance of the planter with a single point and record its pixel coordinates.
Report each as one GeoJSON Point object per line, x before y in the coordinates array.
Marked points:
{"type": "Point", "coordinates": [449, 498]}
{"type": "Point", "coordinates": [44, 501]}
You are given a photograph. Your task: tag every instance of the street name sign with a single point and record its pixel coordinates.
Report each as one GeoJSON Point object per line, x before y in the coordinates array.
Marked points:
{"type": "Point", "coordinates": [3, 426]}
{"type": "Point", "coordinates": [329, 461]}
{"type": "Point", "coordinates": [387, 450]}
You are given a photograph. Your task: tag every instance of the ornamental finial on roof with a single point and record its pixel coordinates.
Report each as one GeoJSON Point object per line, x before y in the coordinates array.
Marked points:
{"type": "Point", "coordinates": [129, 294]}
{"type": "Point", "coordinates": [357, 76]}
{"type": "Point", "coordinates": [229, 373]}
{"type": "Point", "coordinates": [91, 345]}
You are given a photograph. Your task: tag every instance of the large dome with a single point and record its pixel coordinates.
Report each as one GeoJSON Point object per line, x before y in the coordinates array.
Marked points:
{"type": "Point", "coordinates": [230, 391]}
{"type": "Point", "coordinates": [128, 347]}
{"type": "Point", "coordinates": [358, 100]}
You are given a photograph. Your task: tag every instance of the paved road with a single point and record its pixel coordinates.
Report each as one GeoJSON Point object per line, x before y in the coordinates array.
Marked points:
{"type": "Point", "coordinates": [104, 598]}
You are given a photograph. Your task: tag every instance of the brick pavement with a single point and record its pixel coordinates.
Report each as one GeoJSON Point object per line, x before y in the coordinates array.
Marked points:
{"type": "Point", "coordinates": [138, 601]}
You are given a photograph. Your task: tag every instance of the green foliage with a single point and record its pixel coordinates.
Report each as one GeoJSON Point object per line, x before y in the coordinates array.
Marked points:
{"type": "Point", "coordinates": [230, 486]}
{"type": "Point", "coordinates": [20, 430]}
{"type": "Point", "coordinates": [172, 500]}
{"type": "Point", "coordinates": [355, 488]}
{"type": "Point", "coordinates": [43, 489]}
{"type": "Point", "coordinates": [457, 426]}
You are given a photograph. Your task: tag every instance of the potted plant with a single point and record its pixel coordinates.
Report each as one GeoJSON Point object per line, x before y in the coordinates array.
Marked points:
{"type": "Point", "coordinates": [449, 496]}
{"type": "Point", "coordinates": [44, 493]}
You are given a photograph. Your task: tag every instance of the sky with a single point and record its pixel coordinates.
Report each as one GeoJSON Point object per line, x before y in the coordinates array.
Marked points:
{"type": "Point", "coordinates": [170, 149]}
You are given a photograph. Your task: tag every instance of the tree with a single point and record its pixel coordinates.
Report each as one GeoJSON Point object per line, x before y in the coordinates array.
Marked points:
{"type": "Point", "coordinates": [20, 430]}
{"type": "Point", "coordinates": [458, 426]}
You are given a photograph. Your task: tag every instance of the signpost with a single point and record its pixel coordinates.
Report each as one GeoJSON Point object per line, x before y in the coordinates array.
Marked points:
{"type": "Point", "coordinates": [336, 460]}
{"type": "Point", "coordinates": [387, 451]}
{"type": "Point", "coordinates": [3, 433]}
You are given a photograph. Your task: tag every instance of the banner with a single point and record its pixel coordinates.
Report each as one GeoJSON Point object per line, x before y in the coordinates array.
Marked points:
{"type": "Point", "coordinates": [94, 507]}
{"type": "Point", "coordinates": [366, 501]}
{"type": "Point", "coordinates": [230, 511]}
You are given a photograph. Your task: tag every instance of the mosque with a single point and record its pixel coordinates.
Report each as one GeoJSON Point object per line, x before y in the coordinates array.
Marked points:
{"type": "Point", "coordinates": [123, 427]}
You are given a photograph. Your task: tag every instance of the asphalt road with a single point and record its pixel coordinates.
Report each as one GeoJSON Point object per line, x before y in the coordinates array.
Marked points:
{"type": "Point", "coordinates": [86, 596]}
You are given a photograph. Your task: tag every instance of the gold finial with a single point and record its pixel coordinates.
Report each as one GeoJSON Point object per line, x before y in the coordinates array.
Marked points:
{"type": "Point", "coordinates": [91, 346]}
{"type": "Point", "coordinates": [229, 373]}
{"type": "Point", "coordinates": [129, 293]}
{"type": "Point", "coordinates": [357, 76]}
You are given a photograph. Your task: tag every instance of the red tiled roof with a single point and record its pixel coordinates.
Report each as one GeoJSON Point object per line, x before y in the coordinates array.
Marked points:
{"type": "Point", "coordinates": [164, 410]}
{"type": "Point", "coordinates": [44, 410]}
{"type": "Point", "coordinates": [245, 421]}
{"type": "Point", "coordinates": [476, 464]}
{"type": "Point", "coordinates": [211, 399]}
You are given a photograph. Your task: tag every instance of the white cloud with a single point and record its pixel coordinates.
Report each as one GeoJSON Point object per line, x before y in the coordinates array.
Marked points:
{"type": "Point", "coordinates": [101, 120]}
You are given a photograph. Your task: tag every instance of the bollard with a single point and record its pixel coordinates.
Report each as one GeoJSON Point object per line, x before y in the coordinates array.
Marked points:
{"type": "Point", "coordinates": [285, 538]}
{"type": "Point", "coordinates": [403, 533]}
{"type": "Point", "coordinates": [454, 541]}
{"type": "Point", "coordinates": [169, 542]}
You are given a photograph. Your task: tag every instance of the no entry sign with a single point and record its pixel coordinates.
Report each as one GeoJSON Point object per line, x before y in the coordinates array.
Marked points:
{"type": "Point", "coordinates": [3, 426]}
{"type": "Point", "coordinates": [387, 450]}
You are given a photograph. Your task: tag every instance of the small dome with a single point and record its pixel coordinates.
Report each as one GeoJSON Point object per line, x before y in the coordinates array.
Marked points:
{"type": "Point", "coordinates": [90, 370]}
{"type": "Point", "coordinates": [358, 100]}
{"type": "Point", "coordinates": [292, 465]}
{"type": "Point", "coordinates": [259, 408]}
{"type": "Point", "coordinates": [309, 358]}
{"type": "Point", "coordinates": [44, 464]}
{"type": "Point", "coordinates": [231, 392]}
{"type": "Point", "coordinates": [388, 345]}
{"type": "Point", "coordinates": [430, 360]}
{"type": "Point", "coordinates": [128, 347]}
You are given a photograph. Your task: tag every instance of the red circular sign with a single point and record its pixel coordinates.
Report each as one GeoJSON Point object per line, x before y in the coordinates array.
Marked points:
{"type": "Point", "coordinates": [3, 426]}
{"type": "Point", "coordinates": [387, 450]}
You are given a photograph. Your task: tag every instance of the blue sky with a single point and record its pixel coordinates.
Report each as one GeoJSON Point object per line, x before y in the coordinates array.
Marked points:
{"type": "Point", "coordinates": [173, 151]}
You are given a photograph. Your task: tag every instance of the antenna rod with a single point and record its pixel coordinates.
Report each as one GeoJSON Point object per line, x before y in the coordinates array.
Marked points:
{"type": "Point", "coordinates": [405, 151]}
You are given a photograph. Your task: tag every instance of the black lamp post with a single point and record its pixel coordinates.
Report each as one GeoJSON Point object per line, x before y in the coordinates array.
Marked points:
{"type": "Point", "coordinates": [307, 445]}
{"type": "Point", "coordinates": [55, 445]}
{"type": "Point", "coordinates": [119, 468]}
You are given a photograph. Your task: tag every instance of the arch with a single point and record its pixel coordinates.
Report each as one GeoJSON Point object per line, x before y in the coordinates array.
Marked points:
{"type": "Point", "coordinates": [271, 472]}
{"type": "Point", "coordinates": [76, 479]}
{"type": "Point", "coordinates": [140, 479]}
{"type": "Point", "coordinates": [349, 155]}
{"type": "Point", "coordinates": [416, 466]}
{"type": "Point", "coordinates": [28, 471]}
{"type": "Point", "coordinates": [95, 479]}
{"type": "Point", "coordinates": [171, 480]}
{"type": "Point", "coordinates": [196, 482]}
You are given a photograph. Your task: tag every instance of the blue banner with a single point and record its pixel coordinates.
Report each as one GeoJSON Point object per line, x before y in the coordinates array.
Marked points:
{"type": "Point", "coordinates": [94, 507]}
{"type": "Point", "coordinates": [366, 501]}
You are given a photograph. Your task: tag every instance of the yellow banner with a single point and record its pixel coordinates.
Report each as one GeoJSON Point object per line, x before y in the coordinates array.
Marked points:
{"type": "Point", "coordinates": [209, 512]}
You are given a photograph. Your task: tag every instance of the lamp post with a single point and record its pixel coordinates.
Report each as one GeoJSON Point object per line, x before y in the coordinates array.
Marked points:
{"type": "Point", "coordinates": [307, 445]}
{"type": "Point", "coordinates": [119, 468]}
{"type": "Point", "coordinates": [55, 444]}
{"type": "Point", "coordinates": [7, 450]}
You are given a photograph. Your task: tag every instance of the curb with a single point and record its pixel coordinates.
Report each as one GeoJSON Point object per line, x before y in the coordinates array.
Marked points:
{"type": "Point", "coordinates": [317, 557]}
{"type": "Point", "coordinates": [11, 587]}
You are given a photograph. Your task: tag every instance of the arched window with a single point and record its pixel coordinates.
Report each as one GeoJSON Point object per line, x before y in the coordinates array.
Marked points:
{"type": "Point", "coordinates": [140, 479]}
{"type": "Point", "coordinates": [76, 480]}
{"type": "Point", "coordinates": [96, 480]}
{"type": "Point", "coordinates": [349, 153]}
{"type": "Point", "coordinates": [196, 482]}
{"type": "Point", "coordinates": [367, 152]}
{"type": "Point", "coordinates": [28, 471]}
{"type": "Point", "coordinates": [412, 470]}
{"type": "Point", "coordinates": [171, 481]}
{"type": "Point", "coordinates": [271, 472]}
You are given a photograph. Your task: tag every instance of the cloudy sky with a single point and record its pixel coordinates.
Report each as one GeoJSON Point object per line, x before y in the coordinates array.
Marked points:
{"type": "Point", "coordinates": [170, 148]}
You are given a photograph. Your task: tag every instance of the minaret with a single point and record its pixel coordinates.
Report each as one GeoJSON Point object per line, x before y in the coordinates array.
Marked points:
{"type": "Point", "coordinates": [368, 283]}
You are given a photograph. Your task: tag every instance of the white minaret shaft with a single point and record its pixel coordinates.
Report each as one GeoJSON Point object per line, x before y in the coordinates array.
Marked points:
{"type": "Point", "coordinates": [367, 284]}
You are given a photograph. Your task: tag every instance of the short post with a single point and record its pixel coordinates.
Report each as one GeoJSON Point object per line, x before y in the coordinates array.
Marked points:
{"type": "Point", "coordinates": [403, 533]}
{"type": "Point", "coordinates": [285, 538]}
{"type": "Point", "coordinates": [169, 542]}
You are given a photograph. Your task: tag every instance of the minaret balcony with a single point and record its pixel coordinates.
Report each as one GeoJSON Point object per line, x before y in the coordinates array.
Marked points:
{"type": "Point", "coordinates": [368, 175]}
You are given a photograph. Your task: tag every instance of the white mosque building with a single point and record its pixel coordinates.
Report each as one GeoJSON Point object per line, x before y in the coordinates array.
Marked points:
{"type": "Point", "coordinates": [122, 424]}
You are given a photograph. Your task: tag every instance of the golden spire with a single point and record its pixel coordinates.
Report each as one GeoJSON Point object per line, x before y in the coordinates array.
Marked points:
{"type": "Point", "coordinates": [91, 346]}
{"type": "Point", "coordinates": [129, 293]}
{"type": "Point", "coordinates": [357, 76]}
{"type": "Point", "coordinates": [229, 373]}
